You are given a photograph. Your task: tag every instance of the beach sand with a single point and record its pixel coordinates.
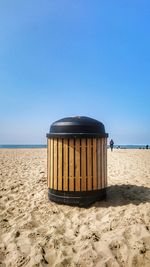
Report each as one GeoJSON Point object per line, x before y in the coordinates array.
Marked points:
{"type": "Point", "coordinates": [36, 232]}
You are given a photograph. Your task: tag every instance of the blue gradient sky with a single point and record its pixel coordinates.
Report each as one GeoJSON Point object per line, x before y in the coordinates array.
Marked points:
{"type": "Point", "coordinates": [79, 57]}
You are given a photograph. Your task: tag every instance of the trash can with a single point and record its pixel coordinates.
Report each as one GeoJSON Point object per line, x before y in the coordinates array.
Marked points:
{"type": "Point", "coordinates": [77, 161]}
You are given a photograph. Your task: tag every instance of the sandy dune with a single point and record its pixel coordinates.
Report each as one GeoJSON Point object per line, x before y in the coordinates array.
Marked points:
{"type": "Point", "coordinates": [35, 232]}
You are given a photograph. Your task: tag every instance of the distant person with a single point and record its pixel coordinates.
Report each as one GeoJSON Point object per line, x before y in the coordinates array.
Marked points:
{"type": "Point", "coordinates": [111, 143]}
{"type": "Point", "coordinates": [146, 146]}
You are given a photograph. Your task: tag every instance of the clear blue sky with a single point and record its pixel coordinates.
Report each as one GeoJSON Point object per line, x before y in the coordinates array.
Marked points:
{"type": "Point", "coordinates": [76, 57]}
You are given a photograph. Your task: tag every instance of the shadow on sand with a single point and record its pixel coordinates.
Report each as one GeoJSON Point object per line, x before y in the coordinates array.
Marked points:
{"type": "Point", "coordinates": [119, 195]}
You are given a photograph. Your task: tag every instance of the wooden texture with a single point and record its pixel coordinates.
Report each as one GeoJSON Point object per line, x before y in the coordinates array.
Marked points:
{"type": "Point", "coordinates": [77, 164]}
{"type": "Point", "coordinates": [94, 164]}
{"type": "Point", "coordinates": [101, 170]}
{"type": "Point", "coordinates": [103, 165]}
{"type": "Point", "coordinates": [48, 163]}
{"type": "Point", "coordinates": [65, 165]}
{"type": "Point", "coordinates": [51, 163]}
{"type": "Point", "coordinates": [89, 164]}
{"type": "Point", "coordinates": [83, 164]}
{"type": "Point", "coordinates": [60, 164]}
{"type": "Point", "coordinates": [55, 164]}
{"type": "Point", "coordinates": [105, 160]}
{"type": "Point", "coordinates": [99, 179]}
{"type": "Point", "coordinates": [71, 165]}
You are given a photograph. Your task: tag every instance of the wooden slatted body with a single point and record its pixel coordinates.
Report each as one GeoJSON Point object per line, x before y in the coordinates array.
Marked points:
{"type": "Point", "coordinates": [77, 164]}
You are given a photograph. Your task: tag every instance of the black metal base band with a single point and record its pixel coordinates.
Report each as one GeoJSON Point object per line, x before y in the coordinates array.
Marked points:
{"type": "Point", "coordinates": [81, 199]}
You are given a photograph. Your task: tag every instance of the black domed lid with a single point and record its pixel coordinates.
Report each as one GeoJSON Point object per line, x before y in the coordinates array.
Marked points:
{"type": "Point", "coordinates": [78, 126]}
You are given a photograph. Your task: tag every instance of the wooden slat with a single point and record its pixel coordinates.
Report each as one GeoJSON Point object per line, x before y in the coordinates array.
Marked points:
{"type": "Point", "coordinates": [51, 163]}
{"type": "Point", "coordinates": [102, 162]}
{"type": "Point", "coordinates": [60, 164]}
{"type": "Point", "coordinates": [106, 164]}
{"type": "Point", "coordinates": [65, 165]}
{"type": "Point", "coordinates": [83, 164]}
{"type": "Point", "coordinates": [71, 165]}
{"type": "Point", "coordinates": [89, 166]}
{"type": "Point", "coordinates": [48, 163]}
{"type": "Point", "coordinates": [94, 164]}
{"type": "Point", "coordinates": [105, 159]}
{"type": "Point", "coordinates": [99, 182]}
{"type": "Point", "coordinates": [55, 164]}
{"type": "Point", "coordinates": [77, 165]}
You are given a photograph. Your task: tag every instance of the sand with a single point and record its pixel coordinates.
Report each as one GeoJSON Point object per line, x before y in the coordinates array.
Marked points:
{"type": "Point", "coordinates": [36, 232]}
